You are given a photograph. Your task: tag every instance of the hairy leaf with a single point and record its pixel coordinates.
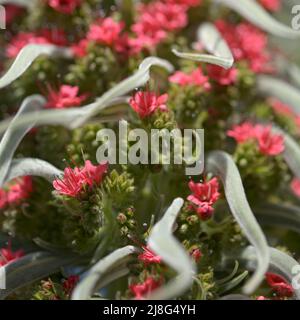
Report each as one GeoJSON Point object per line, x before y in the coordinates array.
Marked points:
{"type": "Point", "coordinates": [257, 15]}
{"type": "Point", "coordinates": [27, 56]}
{"type": "Point", "coordinates": [221, 164]}
{"type": "Point", "coordinates": [111, 267]}
{"type": "Point", "coordinates": [164, 244]}
{"type": "Point", "coordinates": [15, 134]}
{"type": "Point", "coordinates": [213, 42]}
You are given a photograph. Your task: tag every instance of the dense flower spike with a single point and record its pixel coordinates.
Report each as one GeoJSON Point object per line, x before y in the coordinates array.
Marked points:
{"type": "Point", "coordinates": [7, 255]}
{"type": "Point", "coordinates": [145, 103]}
{"type": "Point", "coordinates": [74, 180]}
{"type": "Point", "coordinates": [203, 197]}
{"type": "Point", "coordinates": [143, 289]}
{"type": "Point", "coordinates": [247, 43]}
{"type": "Point", "coordinates": [64, 6]}
{"type": "Point", "coordinates": [222, 76]}
{"type": "Point", "coordinates": [66, 97]}
{"type": "Point", "coordinates": [268, 143]}
{"type": "Point", "coordinates": [279, 285]}
{"type": "Point", "coordinates": [148, 257]}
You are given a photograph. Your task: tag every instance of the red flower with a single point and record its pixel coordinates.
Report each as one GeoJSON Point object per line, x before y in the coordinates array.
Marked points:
{"type": "Point", "coordinates": [20, 190]}
{"type": "Point", "coordinates": [269, 143]}
{"type": "Point", "coordinates": [149, 257]}
{"type": "Point", "coordinates": [203, 196]}
{"type": "Point", "coordinates": [243, 132]}
{"type": "Point", "coordinates": [67, 96]}
{"type": "Point", "coordinates": [222, 76]}
{"type": "Point", "coordinates": [64, 6]}
{"type": "Point", "coordinates": [44, 36]}
{"type": "Point", "coordinates": [280, 107]}
{"type": "Point", "coordinates": [70, 283]}
{"type": "Point", "coordinates": [143, 289]}
{"type": "Point", "coordinates": [279, 285]}
{"type": "Point", "coordinates": [186, 3]}
{"type": "Point", "coordinates": [247, 43]}
{"type": "Point", "coordinates": [196, 254]}
{"type": "Point", "coordinates": [145, 103]}
{"type": "Point", "coordinates": [272, 5]}
{"type": "Point", "coordinates": [7, 255]}
{"type": "Point", "coordinates": [3, 198]}
{"type": "Point", "coordinates": [195, 78]}
{"type": "Point", "coordinates": [80, 49]}
{"type": "Point", "coordinates": [74, 180]}
{"type": "Point", "coordinates": [106, 32]}
{"type": "Point", "coordinates": [295, 186]}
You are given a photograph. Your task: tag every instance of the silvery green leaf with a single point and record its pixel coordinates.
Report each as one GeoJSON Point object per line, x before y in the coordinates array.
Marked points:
{"type": "Point", "coordinates": [27, 56]}
{"type": "Point", "coordinates": [212, 40]}
{"type": "Point", "coordinates": [257, 15]}
{"type": "Point", "coordinates": [32, 167]}
{"type": "Point", "coordinates": [233, 283]}
{"type": "Point", "coordinates": [163, 243]}
{"type": "Point", "coordinates": [15, 134]}
{"type": "Point", "coordinates": [222, 165]}
{"type": "Point", "coordinates": [74, 117]}
{"type": "Point", "coordinates": [280, 263]}
{"type": "Point", "coordinates": [291, 152]}
{"type": "Point", "coordinates": [111, 267]}
{"type": "Point", "coordinates": [31, 268]}
{"type": "Point", "coordinates": [21, 3]}
{"type": "Point", "coordinates": [281, 215]}
{"type": "Point", "coordinates": [281, 90]}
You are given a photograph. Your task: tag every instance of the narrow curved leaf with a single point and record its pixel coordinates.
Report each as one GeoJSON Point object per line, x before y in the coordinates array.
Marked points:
{"type": "Point", "coordinates": [112, 266]}
{"type": "Point", "coordinates": [164, 244]}
{"type": "Point", "coordinates": [13, 136]}
{"type": "Point", "coordinates": [280, 263]}
{"type": "Point", "coordinates": [74, 117]}
{"type": "Point", "coordinates": [281, 90]}
{"type": "Point", "coordinates": [32, 167]}
{"type": "Point", "coordinates": [26, 57]}
{"type": "Point", "coordinates": [221, 164]}
{"type": "Point", "coordinates": [21, 3]}
{"type": "Point", "coordinates": [257, 15]}
{"type": "Point", "coordinates": [280, 215]}
{"type": "Point", "coordinates": [31, 268]}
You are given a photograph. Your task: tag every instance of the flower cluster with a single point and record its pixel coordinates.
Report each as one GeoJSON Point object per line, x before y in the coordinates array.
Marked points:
{"type": "Point", "coordinates": [74, 180]}
{"type": "Point", "coordinates": [7, 255]}
{"type": "Point", "coordinates": [269, 143]}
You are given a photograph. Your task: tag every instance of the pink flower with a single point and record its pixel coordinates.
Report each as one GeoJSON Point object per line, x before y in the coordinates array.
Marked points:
{"type": "Point", "coordinates": [222, 76]}
{"type": "Point", "coordinates": [279, 285]}
{"type": "Point", "coordinates": [280, 107]}
{"type": "Point", "coordinates": [146, 103]}
{"type": "Point", "coordinates": [247, 43]}
{"type": "Point", "coordinates": [272, 5]}
{"type": "Point", "coordinates": [3, 198]}
{"type": "Point", "coordinates": [269, 143]}
{"type": "Point", "coordinates": [74, 180]}
{"type": "Point", "coordinates": [148, 257]}
{"type": "Point", "coordinates": [80, 49]}
{"type": "Point", "coordinates": [185, 3]}
{"type": "Point", "coordinates": [45, 36]}
{"type": "Point", "coordinates": [66, 97]}
{"type": "Point", "coordinates": [93, 174]}
{"type": "Point", "coordinates": [7, 255]}
{"type": "Point", "coordinates": [195, 78]}
{"type": "Point", "coordinates": [243, 132]}
{"type": "Point", "coordinates": [106, 32]}
{"type": "Point", "coordinates": [143, 289]}
{"type": "Point", "coordinates": [203, 196]}
{"type": "Point", "coordinates": [295, 186]}
{"type": "Point", "coordinates": [64, 6]}
{"type": "Point", "coordinates": [196, 254]}
{"type": "Point", "coordinates": [12, 12]}
{"type": "Point", "coordinates": [19, 190]}
{"type": "Point", "coordinates": [70, 283]}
